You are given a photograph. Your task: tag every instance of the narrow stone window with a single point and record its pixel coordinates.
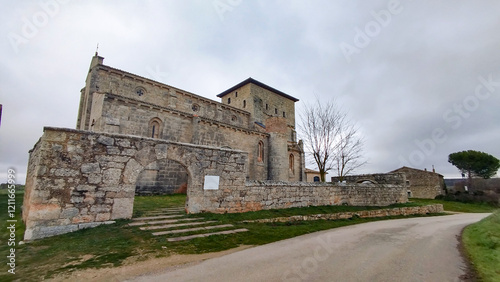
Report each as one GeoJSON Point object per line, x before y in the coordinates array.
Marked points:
{"type": "Point", "coordinates": [291, 163]}
{"type": "Point", "coordinates": [236, 94]}
{"type": "Point", "coordinates": [155, 128]}
{"type": "Point", "coordinates": [267, 107]}
{"type": "Point", "coordinates": [244, 103]}
{"type": "Point", "coordinates": [228, 101]}
{"type": "Point", "coordinates": [275, 111]}
{"type": "Point", "coordinates": [260, 157]}
{"type": "Point", "coordinates": [284, 115]}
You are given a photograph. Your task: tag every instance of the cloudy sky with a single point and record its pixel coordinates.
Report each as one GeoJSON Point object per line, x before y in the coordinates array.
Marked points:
{"type": "Point", "coordinates": [421, 78]}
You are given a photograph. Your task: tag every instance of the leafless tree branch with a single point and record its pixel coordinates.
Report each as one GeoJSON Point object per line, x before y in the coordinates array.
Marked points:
{"type": "Point", "coordinates": [330, 138]}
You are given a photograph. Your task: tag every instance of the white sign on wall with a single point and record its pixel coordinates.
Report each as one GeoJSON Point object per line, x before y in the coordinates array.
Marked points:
{"type": "Point", "coordinates": [211, 182]}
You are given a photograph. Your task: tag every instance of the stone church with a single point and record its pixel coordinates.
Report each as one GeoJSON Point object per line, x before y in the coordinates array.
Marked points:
{"type": "Point", "coordinates": [252, 117]}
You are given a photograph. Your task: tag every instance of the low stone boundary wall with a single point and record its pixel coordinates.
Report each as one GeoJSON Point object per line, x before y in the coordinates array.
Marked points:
{"type": "Point", "coordinates": [262, 195]}
{"type": "Point", "coordinates": [438, 208]}
{"type": "Point", "coordinates": [395, 178]}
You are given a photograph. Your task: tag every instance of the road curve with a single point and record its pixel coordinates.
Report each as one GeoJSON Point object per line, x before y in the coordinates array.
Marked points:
{"type": "Point", "coordinates": [415, 249]}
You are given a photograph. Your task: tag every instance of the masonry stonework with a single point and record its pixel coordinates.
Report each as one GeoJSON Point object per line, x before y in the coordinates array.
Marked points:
{"type": "Point", "coordinates": [262, 195]}
{"type": "Point", "coordinates": [138, 136]}
{"type": "Point", "coordinates": [78, 179]}
{"type": "Point", "coordinates": [375, 178]}
{"type": "Point", "coordinates": [422, 183]}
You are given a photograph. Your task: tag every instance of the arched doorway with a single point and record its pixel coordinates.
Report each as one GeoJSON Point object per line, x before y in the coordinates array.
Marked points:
{"type": "Point", "coordinates": [162, 177]}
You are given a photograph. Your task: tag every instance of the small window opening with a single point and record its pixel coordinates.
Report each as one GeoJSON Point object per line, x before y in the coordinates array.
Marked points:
{"type": "Point", "coordinates": [291, 163]}
{"type": "Point", "coordinates": [260, 152]}
{"type": "Point", "coordinates": [228, 101]}
{"type": "Point", "coordinates": [155, 129]}
{"type": "Point", "coordinates": [244, 103]}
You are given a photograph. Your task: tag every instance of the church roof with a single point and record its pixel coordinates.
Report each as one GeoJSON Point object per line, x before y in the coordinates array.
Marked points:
{"type": "Point", "coordinates": [258, 83]}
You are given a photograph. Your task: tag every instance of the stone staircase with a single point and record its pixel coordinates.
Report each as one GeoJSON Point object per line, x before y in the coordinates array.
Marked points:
{"type": "Point", "coordinates": [174, 224]}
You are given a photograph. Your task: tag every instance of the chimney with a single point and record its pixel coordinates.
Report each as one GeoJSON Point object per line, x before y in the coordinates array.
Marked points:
{"type": "Point", "coordinates": [433, 170]}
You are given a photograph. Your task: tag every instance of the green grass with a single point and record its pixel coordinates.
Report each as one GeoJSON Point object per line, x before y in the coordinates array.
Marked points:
{"type": "Point", "coordinates": [147, 203]}
{"type": "Point", "coordinates": [457, 206]}
{"type": "Point", "coordinates": [482, 243]}
{"type": "Point", "coordinates": [111, 245]}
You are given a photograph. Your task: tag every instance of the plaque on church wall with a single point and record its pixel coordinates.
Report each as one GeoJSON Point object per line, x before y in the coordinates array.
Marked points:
{"type": "Point", "coordinates": [211, 182]}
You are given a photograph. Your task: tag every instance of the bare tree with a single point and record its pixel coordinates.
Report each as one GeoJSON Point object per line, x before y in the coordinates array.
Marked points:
{"type": "Point", "coordinates": [330, 138]}
{"type": "Point", "coordinates": [348, 152]}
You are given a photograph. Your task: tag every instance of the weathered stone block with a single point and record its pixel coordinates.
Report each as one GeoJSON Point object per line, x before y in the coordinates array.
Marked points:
{"type": "Point", "coordinates": [105, 140]}
{"type": "Point", "coordinates": [66, 172]}
{"type": "Point", "coordinates": [132, 170]}
{"type": "Point", "coordinates": [128, 152]}
{"type": "Point", "coordinates": [83, 218]}
{"type": "Point", "coordinates": [90, 168]}
{"type": "Point", "coordinates": [113, 150]}
{"type": "Point", "coordinates": [76, 199]}
{"type": "Point", "coordinates": [102, 216]}
{"type": "Point", "coordinates": [111, 176]}
{"type": "Point", "coordinates": [44, 211]}
{"type": "Point", "coordinates": [69, 212]}
{"type": "Point", "coordinates": [123, 142]}
{"type": "Point", "coordinates": [85, 188]}
{"type": "Point", "coordinates": [94, 178]}
{"type": "Point", "coordinates": [161, 151]}
{"type": "Point", "coordinates": [122, 208]}
{"type": "Point", "coordinates": [100, 209]}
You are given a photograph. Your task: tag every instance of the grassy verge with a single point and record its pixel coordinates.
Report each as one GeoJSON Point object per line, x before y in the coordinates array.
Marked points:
{"type": "Point", "coordinates": [114, 245]}
{"type": "Point", "coordinates": [457, 206]}
{"type": "Point", "coordinates": [482, 243]}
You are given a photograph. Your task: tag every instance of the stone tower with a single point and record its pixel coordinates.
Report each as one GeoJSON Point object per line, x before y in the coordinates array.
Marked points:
{"type": "Point", "coordinates": [274, 112]}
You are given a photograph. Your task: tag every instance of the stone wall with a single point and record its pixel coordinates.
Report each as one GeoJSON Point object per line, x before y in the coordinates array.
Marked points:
{"type": "Point", "coordinates": [438, 208]}
{"type": "Point", "coordinates": [422, 183]}
{"type": "Point", "coordinates": [78, 179]}
{"type": "Point", "coordinates": [259, 195]}
{"type": "Point", "coordinates": [376, 178]}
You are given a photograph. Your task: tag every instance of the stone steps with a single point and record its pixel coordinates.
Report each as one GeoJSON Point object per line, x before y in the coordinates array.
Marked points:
{"type": "Point", "coordinates": [168, 226]}
{"type": "Point", "coordinates": [192, 229]}
{"type": "Point", "coordinates": [171, 221]}
{"type": "Point", "coordinates": [184, 238]}
{"type": "Point", "coordinates": [157, 217]}
{"type": "Point", "coordinates": [139, 223]}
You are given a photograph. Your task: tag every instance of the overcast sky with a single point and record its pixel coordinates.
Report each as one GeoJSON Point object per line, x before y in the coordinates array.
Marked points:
{"type": "Point", "coordinates": [421, 78]}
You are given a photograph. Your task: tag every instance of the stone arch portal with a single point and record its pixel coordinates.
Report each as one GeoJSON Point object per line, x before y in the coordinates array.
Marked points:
{"type": "Point", "coordinates": [79, 179]}
{"type": "Point", "coordinates": [162, 177]}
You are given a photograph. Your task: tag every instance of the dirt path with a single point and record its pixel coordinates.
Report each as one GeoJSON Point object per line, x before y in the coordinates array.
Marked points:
{"type": "Point", "coordinates": [133, 269]}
